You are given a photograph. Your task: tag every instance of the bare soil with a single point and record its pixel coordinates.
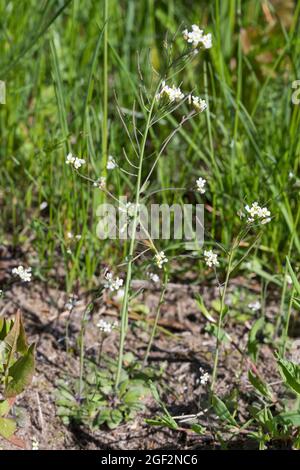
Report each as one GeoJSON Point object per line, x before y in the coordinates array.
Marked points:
{"type": "Point", "coordinates": [188, 348]}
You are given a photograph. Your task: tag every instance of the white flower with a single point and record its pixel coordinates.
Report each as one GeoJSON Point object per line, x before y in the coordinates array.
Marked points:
{"type": "Point", "coordinates": [196, 37]}
{"type": "Point", "coordinates": [204, 378]}
{"type": "Point", "coordinates": [201, 182]}
{"type": "Point", "coordinates": [43, 205]}
{"type": "Point", "coordinates": [160, 259]}
{"type": "Point", "coordinates": [172, 94]}
{"type": "Point", "coordinates": [199, 104]}
{"type": "Point", "coordinates": [258, 214]}
{"type": "Point", "coordinates": [106, 326]}
{"type": "Point", "coordinates": [1, 293]}
{"type": "Point", "coordinates": [111, 163]}
{"type": "Point", "coordinates": [291, 175]}
{"type": "Point", "coordinates": [211, 258]}
{"type": "Point", "coordinates": [255, 306]}
{"type": "Point", "coordinates": [118, 297]}
{"type": "Point", "coordinates": [100, 183]}
{"type": "Point", "coordinates": [207, 41]}
{"type": "Point", "coordinates": [78, 163]}
{"type": "Point", "coordinates": [70, 235]}
{"type": "Point", "coordinates": [72, 302]}
{"type": "Point", "coordinates": [289, 280]}
{"type": "Point", "coordinates": [34, 443]}
{"type": "Point", "coordinates": [74, 161]}
{"type": "Point", "coordinates": [70, 159]}
{"type": "Point", "coordinates": [154, 277]}
{"type": "Point", "coordinates": [111, 283]}
{"type": "Point", "coordinates": [24, 274]}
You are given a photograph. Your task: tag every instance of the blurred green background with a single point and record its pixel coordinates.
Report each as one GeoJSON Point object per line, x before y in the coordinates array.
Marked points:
{"type": "Point", "coordinates": [246, 146]}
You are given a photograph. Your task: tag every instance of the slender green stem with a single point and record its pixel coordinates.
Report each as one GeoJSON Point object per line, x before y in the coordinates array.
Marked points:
{"type": "Point", "coordinates": [105, 91]}
{"type": "Point", "coordinates": [81, 344]}
{"type": "Point", "coordinates": [287, 323]}
{"type": "Point", "coordinates": [153, 332]}
{"type": "Point", "coordinates": [124, 310]}
{"type": "Point", "coordinates": [221, 314]}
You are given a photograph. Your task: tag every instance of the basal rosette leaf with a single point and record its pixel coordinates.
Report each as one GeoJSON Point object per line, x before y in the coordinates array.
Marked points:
{"type": "Point", "coordinates": [21, 373]}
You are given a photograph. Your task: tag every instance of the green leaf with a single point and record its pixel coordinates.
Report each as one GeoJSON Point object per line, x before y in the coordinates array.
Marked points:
{"type": "Point", "coordinates": [7, 427]}
{"type": "Point", "coordinates": [252, 341]}
{"type": "Point", "coordinates": [222, 411]}
{"type": "Point", "coordinates": [260, 386]}
{"type": "Point", "coordinates": [4, 407]}
{"type": "Point", "coordinates": [198, 429]}
{"type": "Point", "coordinates": [11, 338]}
{"type": "Point", "coordinates": [203, 309]}
{"type": "Point", "coordinates": [114, 419]}
{"type": "Point", "coordinates": [5, 326]}
{"type": "Point", "coordinates": [296, 283]}
{"type": "Point", "coordinates": [135, 393]}
{"type": "Point", "coordinates": [290, 417]}
{"type": "Point", "coordinates": [22, 344]}
{"type": "Point", "coordinates": [213, 330]}
{"type": "Point", "coordinates": [166, 420]}
{"type": "Point", "coordinates": [21, 373]}
{"type": "Point", "coordinates": [290, 373]}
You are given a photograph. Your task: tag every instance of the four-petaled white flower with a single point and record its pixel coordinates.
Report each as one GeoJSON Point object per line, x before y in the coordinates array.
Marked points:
{"type": "Point", "coordinates": [106, 327]}
{"type": "Point", "coordinates": [201, 182]}
{"type": "Point", "coordinates": [172, 94]}
{"type": "Point", "coordinates": [74, 161]}
{"type": "Point", "coordinates": [111, 163]}
{"type": "Point", "coordinates": [154, 277]}
{"type": "Point", "coordinates": [211, 258]}
{"type": "Point", "coordinates": [196, 37]}
{"type": "Point", "coordinates": [198, 103]}
{"type": "Point", "coordinates": [160, 259]}
{"type": "Point", "coordinates": [111, 283]}
{"type": "Point", "coordinates": [24, 274]}
{"type": "Point", "coordinates": [258, 214]}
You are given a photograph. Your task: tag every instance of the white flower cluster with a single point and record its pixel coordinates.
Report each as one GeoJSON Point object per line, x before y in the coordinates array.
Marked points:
{"type": "Point", "coordinates": [24, 274]}
{"type": "Point", "coordinates": [201, 182]}
{"type": "Point", "coordinates": [100, 183]}
{"type": "Point", "coordinates": [199, 104]}
{"type": "Point", "coordinates": [257, 213]}
{"type": "Point", "coordinates": [111, 163]}
{"type": "Point", "coordinates": [74, 161]}
{"type": "Point", "coordinates": [111, 283]}
{"type": "Point", "coordinates": [160, 259]}
{"type": "Point", "coordinates": [172, 94]}
{"type": "Point", "coordinates": [204, 377]}
{"type": "Point", "coordinates": [196, 37]}
{"type": "Point", "coordinates": [211, 258]}
{"type": "Point", "coordinates": [106, 327]}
